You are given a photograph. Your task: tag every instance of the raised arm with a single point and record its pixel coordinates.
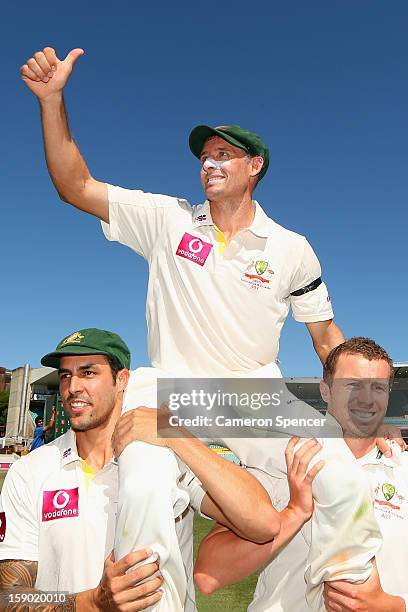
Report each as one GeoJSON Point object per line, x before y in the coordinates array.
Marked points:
{"type": "Point", "coordinates": [325, 337]}
{"type": "Point", "coordinates": [46, 76]}
{"type": "Point", "coordinates": [213, 569]}
{"type": "Point", "coordinates": [51, 422]}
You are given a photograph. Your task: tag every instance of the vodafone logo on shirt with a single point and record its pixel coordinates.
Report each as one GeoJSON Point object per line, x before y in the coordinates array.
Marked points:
{"type": "Point", "coordinates": [61, 503]}
{"type": "Point", "coordinates": [2, 526]}
{"type": "Point", "coordinates": [194, 249]}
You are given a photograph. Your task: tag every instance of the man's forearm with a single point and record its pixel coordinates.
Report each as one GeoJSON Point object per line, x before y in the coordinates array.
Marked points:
{"type": "Point", "coordinates": [213, 569]}
{"type": "Point", "coordinates": [241, 498]}
{"type": "Point", "coordinates": [326, 335]}
{"type": "Point", "coordinates": [17, 593]}
{"type": "Point", "coordinates": [65, 163]}
{"type": "Point", "coordinates": [50, 424]}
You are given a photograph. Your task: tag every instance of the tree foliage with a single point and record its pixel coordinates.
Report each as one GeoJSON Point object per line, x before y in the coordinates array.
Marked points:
{"type": "Point", "coordinates": [4, 399]}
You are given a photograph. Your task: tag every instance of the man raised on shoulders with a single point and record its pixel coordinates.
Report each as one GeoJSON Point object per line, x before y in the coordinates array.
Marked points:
{"type": "Point", "coordinates": [208, 260]}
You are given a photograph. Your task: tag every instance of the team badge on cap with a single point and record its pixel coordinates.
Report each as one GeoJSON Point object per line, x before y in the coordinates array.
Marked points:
{"type": "Point", "coordinates": [74, 338]}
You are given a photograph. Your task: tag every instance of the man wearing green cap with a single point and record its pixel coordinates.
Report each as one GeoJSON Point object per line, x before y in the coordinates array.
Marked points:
{"type": "Point", "coordinates": [223, 275]}
{"type": "Point", "coordinates": [222, 278]}
{"type": "Point", "coordinates": [59, 505]}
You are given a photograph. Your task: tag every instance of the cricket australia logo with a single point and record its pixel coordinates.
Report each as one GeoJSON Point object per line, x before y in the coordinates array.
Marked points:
{"type": "Point", "coordinates": [258, 274]}
{"type": "Point", "coordinates": [388, 500]}
{"type": "Point", "coordinates": [388, 490]}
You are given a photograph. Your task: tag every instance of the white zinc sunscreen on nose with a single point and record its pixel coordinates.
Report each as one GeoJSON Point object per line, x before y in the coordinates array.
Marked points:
{"type": "Point", "coordinates": [212, 163]}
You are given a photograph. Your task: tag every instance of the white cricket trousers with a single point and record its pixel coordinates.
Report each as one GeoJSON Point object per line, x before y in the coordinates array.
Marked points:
{"type": "Point", "coordinates": [150, 501]}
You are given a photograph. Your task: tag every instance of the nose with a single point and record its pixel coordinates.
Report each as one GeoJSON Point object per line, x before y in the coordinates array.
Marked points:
{"type": "Point", "coordinates": [211, 163]}
{"type": "Point", "coordinates": [75, 384]}
{"type": "Point", "coordinates": [365, 395]}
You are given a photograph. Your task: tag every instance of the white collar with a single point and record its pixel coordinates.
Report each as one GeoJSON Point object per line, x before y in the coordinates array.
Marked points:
{"type": "Point", "coordinates": [262, 225]}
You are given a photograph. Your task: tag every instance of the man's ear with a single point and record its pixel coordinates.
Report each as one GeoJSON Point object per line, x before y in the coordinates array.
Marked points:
{"type": "Point", "coordinates": [257, 165]}
{"type": "Point", "coordinates": [122, 379]}
{"type": "Point", "coordinates": [325, 391]}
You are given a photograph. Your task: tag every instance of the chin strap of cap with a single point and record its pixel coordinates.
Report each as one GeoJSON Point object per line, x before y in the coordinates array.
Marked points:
{"type": "Point", "coordinates": [310, 287]}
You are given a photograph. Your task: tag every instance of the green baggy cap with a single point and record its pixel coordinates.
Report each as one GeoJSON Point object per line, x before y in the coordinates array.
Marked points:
{"type": "Point", "coordinates": [91, 341]}
{"type": "Point", "coordinates": [235, 135]}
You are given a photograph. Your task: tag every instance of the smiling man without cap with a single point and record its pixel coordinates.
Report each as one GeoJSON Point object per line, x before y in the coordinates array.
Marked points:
{"type": "Point", "coordinates": [223, 277]}
{"type": "Point", "coordinates": [357, 377]}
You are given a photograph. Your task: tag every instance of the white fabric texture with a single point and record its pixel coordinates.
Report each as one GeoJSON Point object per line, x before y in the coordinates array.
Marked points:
{"type": "Point", "coordinates": [281, 586]}
{"type": "Point", "coordinates": [63, 563]}
{"type": "Point", "coordinates": [225, 315]}
{"type": "Point", "coordinates": [221, 314]}
{"type": "Point", "coordinates": [161, 516]}
{"type": "Point", "coordinates": [343, 524]}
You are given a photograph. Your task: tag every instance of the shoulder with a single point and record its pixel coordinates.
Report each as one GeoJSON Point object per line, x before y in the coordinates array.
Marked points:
{"type": "Point", "coordinates": [277, 231]}
{"type": "Point", "coordinates": [137, 197]}
{"type": "Point", "coordinates": [44, 459]}
{"type": "Point", "coordinates": [289, 236]}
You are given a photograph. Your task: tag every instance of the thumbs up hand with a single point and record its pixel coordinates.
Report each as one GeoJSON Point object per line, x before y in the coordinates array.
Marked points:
{"type": "Point", "coordinates": [45, 74]}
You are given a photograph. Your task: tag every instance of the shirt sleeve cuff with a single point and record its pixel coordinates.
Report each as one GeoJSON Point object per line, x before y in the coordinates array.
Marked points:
{"type": "Point", "coordinates": [110, 229]}
{"type": "Point", "coordinates": [314, 318]}
{"type": "Point", "coordinates": [17, 555]}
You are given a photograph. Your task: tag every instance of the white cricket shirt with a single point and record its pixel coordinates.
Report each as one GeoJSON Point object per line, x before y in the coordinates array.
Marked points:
{"type": "Point", "coordinates": [389, 486]}
{"type": "Point", "coordinates": [53, 514]}
{"type": "Point", "coordinates": [281, 585]}
{"type": "Point", "coordinates": [213, 311]}
{"type": "Point", "coordinates": [57, 518]}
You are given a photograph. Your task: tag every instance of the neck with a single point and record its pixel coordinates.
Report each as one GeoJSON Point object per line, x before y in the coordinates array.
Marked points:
{"type": "Point", "coordinates": [360, 446]}
{"type": "Point", "coordinates": [95, 445]}
{"type": "Point", "coordinates": [232, 215]}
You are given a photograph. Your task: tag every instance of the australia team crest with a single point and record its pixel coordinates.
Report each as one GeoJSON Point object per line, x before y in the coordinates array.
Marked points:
{"type": "Point", "coordinates": [258, 274]}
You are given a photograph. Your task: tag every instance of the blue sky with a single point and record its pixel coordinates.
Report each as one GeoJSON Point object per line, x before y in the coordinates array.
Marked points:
{"type": "Point", "coordinates": [323, 82]}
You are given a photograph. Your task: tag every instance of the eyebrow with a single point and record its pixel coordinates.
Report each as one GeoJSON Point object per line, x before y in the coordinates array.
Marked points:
{"type": "Point", "coordinates": [81, 368]}
{"type": "Point", "coordinates": [218, 149]}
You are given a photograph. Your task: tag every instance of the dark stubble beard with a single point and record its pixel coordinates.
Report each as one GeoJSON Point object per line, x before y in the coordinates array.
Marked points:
{"type": "Point", "coordinates": [92, 421]}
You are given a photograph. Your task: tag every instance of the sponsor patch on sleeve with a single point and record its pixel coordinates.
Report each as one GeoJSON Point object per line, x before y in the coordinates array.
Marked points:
{"type": "Point", "coordinates": [2, 526]}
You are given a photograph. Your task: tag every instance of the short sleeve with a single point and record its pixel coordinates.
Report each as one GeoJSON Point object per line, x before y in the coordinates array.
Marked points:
{"type": "Point", "coordinates": [309, 297]}
{"type": "Point", "coordinates": [136, 218]}
{"type": "Point", "coordinates": [19, 529]}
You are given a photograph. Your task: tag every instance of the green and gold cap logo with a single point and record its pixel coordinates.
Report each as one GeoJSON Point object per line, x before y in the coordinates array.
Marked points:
{"type": "Point", "coordinates": [90, 341]}
{"type": "Point", "coordinates": [72, 339]}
